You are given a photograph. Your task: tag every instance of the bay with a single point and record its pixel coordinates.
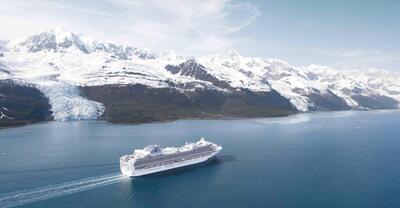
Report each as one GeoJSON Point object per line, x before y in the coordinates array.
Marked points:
{"type": "Point", "coordinates": [335, 159]}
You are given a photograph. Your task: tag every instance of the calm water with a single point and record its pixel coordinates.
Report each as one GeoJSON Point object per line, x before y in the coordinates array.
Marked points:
{"type": "Point", "coordinates": [344, 159]}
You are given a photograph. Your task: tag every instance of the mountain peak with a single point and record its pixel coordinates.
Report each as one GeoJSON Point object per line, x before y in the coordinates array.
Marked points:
{"type": "Point", "coordinates": [60, 40]}
{"type": "Point", "coordinates": [232, 53]}
{"type": "Point", "coordinates": [59, 30]}
{"type": "Point", "coordinates": [56, 40]}
{"type": "Point", "coordinates": [61, 34]}
{"type": "Point", "coordinates": [229, 54]}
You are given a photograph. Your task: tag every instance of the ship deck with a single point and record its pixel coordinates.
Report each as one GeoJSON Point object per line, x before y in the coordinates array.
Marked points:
{"type": "Point", "coordinates": [173, 158]}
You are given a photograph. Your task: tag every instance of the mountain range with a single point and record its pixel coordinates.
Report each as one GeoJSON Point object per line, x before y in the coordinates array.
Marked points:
{"type": "Point", "coordinates": [59, 75]}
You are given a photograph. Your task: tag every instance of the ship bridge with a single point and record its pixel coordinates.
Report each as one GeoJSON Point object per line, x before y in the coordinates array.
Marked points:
{"type": "Point", "coordinates": [150, 150]}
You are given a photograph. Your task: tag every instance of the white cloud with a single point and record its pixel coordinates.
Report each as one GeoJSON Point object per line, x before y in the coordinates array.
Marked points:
{"type": "Point", "coordinates": [192, 27]}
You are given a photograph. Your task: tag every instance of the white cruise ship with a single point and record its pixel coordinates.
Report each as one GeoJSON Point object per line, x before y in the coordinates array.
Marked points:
{"type": "Point", "coordinates": [154, 159]}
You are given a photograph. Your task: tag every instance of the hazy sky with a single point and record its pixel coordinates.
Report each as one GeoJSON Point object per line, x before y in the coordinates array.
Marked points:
{"type": "Point", "coordinates": [344, 34]}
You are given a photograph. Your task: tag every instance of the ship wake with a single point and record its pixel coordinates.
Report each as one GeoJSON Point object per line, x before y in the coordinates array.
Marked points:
{"type": "Point", "coordinates": [22, 197]}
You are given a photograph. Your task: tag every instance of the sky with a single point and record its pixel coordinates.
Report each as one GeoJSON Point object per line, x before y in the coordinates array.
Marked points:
{"type": "Point", "coordinates": [342, 34]}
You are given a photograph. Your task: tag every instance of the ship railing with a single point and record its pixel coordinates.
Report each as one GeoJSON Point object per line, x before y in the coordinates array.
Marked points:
{"type": "Point", "coordinates": [171, 161]}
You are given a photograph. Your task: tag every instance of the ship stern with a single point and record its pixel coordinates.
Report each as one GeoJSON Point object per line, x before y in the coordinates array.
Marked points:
{"type": "Point", "coordinates": [126, 166]}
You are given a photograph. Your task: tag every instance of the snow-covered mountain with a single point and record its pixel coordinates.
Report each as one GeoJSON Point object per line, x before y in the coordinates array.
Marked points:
{"type": "Point", "coordinates": [59, 63]}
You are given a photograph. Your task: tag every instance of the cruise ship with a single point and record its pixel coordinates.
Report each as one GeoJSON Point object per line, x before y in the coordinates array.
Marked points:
{"type": "Point", "coordinates": [153, 159]}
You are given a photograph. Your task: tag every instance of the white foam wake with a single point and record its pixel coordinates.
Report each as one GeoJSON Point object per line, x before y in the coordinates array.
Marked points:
{"type": "Point", "coordinates": [22, 197]}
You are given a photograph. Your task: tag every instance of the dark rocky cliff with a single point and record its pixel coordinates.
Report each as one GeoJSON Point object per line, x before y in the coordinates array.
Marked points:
{"type": "Point", "coordinates": [138, 103]}
{"type": "Point", "coordinates": [22, 104]}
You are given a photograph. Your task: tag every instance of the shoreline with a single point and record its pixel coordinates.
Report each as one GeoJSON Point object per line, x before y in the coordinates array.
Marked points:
{"type": "Point", "coordinates": [211, 118]}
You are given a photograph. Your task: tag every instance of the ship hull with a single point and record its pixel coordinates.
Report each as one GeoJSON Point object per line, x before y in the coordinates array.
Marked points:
{"type": "Point", "coordinates": [128, 171]}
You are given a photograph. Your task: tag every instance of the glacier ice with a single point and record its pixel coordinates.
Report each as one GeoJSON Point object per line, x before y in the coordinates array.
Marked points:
{"type": "Point", "coordinates": [67, 104]}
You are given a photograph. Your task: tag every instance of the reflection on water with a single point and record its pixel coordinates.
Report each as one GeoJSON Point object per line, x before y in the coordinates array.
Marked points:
{"type": "Point", "coordinates": [294, 119]}
{"type": "Point", "coordinates": [337, 114]}
{"type": "Point", "coordinates": [304, 117]}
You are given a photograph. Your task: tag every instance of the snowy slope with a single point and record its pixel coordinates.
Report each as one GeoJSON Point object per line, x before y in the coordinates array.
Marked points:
{"type": "Point", "coordinates": [295, 83]}
{"type": "Point", "coordinates": [58, 61]}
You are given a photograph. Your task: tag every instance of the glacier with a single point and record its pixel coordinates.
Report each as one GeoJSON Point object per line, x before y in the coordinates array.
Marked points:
{"type": "Point", "coordinates": [64, 99]}
{"type": "Point", "coordinates": [67, 104]}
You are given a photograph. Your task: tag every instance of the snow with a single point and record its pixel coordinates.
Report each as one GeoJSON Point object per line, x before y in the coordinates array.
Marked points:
{"type": "Point", "coordinates": [58, 61]}
{"type": "Point", "coordinates": [295, 83]}
{"type": "Point", "coordinates": [232, 67]}
{"type": "Point", "coordinates": [67, 104]}
{"type": "Point", "coordinates": [61, 35]}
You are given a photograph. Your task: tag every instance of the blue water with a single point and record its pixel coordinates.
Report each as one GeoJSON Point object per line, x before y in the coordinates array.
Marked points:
{"type": "Point", "coordinates": [340, 159]}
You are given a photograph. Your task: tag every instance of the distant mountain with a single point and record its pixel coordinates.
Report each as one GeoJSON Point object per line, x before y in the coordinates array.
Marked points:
{"type": "Point", "coordinates": [87, 79]}
{"type": "Point", "coordinates": [3, 43]}
{"type": "Point", "coordinates": [3, 47]}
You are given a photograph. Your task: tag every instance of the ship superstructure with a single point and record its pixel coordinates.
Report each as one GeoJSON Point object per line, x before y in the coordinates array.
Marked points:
{"type": "Point", "coordinates": [153, 158]}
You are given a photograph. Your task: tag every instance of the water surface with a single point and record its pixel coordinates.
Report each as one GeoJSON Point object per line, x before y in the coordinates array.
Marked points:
{"type": "Point", "coordinates": [340, 159]}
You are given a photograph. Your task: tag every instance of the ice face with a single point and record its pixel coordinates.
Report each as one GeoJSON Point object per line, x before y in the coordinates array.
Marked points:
{"type": "Point", "coordinates": [67, 104]}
